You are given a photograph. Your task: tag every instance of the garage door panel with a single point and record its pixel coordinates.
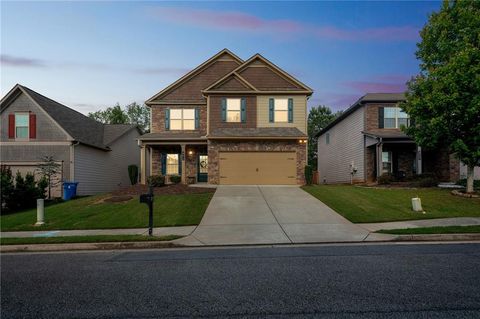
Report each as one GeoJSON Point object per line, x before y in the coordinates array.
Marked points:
{"type": "Point", "coordinates": [278, 168]}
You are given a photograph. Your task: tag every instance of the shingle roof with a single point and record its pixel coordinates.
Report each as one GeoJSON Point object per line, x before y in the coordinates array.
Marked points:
{"type": "Point", "coordinates": [387, 134]}
{"type": "Point", "coordinates": [168, 135]}
{"type": "Point", "coordinates": [367, 98]}
{"type": "Point", "coordinates": [281, 132]}
{"type": "Point", "coordinates": [80, 127]}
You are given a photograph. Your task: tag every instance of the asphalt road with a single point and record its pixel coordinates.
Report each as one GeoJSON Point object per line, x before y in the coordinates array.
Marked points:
{"type": "Point", "coordinates": [364, 281]}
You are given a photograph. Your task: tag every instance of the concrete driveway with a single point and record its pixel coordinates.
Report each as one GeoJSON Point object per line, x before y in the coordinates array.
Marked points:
{"type": "Point", "coordinates": [271, 215]}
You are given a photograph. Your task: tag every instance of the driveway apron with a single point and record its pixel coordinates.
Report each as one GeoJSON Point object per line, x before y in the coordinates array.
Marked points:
{"type": "Point", "coordinates": [272, 215]}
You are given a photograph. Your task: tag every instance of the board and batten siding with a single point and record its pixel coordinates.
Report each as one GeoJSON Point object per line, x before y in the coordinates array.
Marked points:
{"type": "Point", "coordinates": [299, 112]}
{"type": "Point", "coordinates": [98, 171]}
{"type": "Point", "coordinates": [346, 147]}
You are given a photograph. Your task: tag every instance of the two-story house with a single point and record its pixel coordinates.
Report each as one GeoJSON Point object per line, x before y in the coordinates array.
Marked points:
{"type": "Point", "coordinates": [366, 141]}
{"type": "Point", "coordinates": [229, 121]}
{"type": "Point", "coordinates": [93, 154]}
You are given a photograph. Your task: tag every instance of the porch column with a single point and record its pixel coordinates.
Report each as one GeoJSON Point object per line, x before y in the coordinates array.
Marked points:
{"type": "Point", "coordinates": [143, 165]}
{"type": "Point", "coordinates": [184, 166]}
{"type": "Point", "coordinates": [418, 160]}
{"type": "Point", "coordinates": [379, 159]}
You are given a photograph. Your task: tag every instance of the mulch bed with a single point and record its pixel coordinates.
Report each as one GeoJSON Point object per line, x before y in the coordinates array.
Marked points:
{"type": "Point", "coordinates": [118, 199]}
{"type": "Point", "coordinates": [167, 189]}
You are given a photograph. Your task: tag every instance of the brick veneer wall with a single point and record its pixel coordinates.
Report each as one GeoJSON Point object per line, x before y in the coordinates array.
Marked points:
{"type": "Point", "coordinates": [214, 147]}
{"type": "Point", "coordinates": [370, 164]}
{"type": "Point", "coordinates": [371, 115]}
{"type": "Point", "coordinates": [215, 109]}
{"type": "Point", "coordinates": [158, 119]}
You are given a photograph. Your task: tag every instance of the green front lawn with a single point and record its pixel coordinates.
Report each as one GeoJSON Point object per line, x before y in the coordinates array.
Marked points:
{"type": "Point", "coordinates": [433, 230]}
{"type": "Point", "coordinates": [84, 239]}
{"type": "Point", "coordinates": [92, 213]}
{"type": "Point", "coordinates": [370, 205]}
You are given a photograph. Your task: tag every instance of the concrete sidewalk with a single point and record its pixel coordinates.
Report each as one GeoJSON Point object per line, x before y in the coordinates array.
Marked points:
{"type": "Point", "coordinates": [437, 222]}
{"type": "Point", "coordinates": [158, 231]}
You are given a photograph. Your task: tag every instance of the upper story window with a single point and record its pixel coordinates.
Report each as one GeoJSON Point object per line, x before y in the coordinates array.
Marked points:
{"type": "Point", "coordinates": [280, 110]}
{"type": "Point", "coordinates": [394, 117]}
{"type": "Point", "coordinates": [21, 125]}
{"type": "Point", "coordinates": [233, 110]}
{"type": "Point", "coordinates": [181, 119]}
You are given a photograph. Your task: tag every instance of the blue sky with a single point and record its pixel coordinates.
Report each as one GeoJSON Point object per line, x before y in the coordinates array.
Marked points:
{"type": "Point", "coordinates": [90, 55]}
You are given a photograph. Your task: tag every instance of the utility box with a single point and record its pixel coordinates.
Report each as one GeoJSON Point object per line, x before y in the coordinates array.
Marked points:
{"type": "Point", "coordinates": [417, 205]}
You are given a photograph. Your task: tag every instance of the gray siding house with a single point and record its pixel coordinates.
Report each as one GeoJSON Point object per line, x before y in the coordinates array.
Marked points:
{"type": "Point", "coordinates": [96, 155]}
{"type": "Point", "coordinates": [366, 141]}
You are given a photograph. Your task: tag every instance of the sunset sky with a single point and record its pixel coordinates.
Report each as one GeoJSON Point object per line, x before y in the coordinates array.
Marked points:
{"type": "Point", "coordinates": [91, 55]}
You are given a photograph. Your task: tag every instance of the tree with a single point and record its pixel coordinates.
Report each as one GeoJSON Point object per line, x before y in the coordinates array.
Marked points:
{"type": "Point", "coordinates": [444, 99]}
{"type": "Point", "coordinates": [318, 118]}
{"type": "Point", "coordinates": [133, 113]}
{"type": "Point", "coordinates": [50, 169]}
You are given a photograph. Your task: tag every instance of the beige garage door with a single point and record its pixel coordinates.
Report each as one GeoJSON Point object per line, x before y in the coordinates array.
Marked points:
{"type": "Point", "coordinates": [258, 168]}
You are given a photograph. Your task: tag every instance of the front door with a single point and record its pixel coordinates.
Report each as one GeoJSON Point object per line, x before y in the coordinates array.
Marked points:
{"type": "Point", "coordinates": [202, 168]}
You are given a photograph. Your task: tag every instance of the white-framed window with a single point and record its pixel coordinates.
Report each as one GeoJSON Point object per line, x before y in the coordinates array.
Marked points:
{"type": "Point", "coordinates": [234, 110]}
{"type": "Point", "coordinates": [394, 117]}
{"type": "Point", "coordinates": [172, 164]}
{"type": "Point", "coordinates": [281, 110]}
{"type": "Point", "coordinates": [327, 138]}
{"type": "Point", "coordinates": [386, 162]}
{"type": "Point", "coordinates": [182, 119]}
{"type": "Point", "coordinates": [22, 125]}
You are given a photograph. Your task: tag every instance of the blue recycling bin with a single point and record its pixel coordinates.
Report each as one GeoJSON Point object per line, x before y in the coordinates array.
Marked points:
{"type": "Point", "coordinates": [69, 190]}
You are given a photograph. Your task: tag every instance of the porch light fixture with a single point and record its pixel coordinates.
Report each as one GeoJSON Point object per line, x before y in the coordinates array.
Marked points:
{"type": "Point", "coordinates": [302, 141]}
{"type": "Point", "coordinates": [190, 152]}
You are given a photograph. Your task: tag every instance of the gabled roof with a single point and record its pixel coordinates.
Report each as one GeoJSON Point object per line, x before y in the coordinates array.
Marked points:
{"type": "Point", "coordinates": [258, 57]}
{"type": "Point", "coordinates": [222, 84]}
{"type": "Point", "coordinates": [194, 72]}
{"type": "Point", "coordinates": [78, 126]}
{"type": "Point", "coordinates": [367, 98]}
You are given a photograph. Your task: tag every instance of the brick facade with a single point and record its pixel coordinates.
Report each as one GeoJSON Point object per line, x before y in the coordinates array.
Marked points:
{"type": "Point", "coordinates": [158, 119]}
{"type": "Point", "coordinates": [214, 147]}
{"type": "Point", "coordinates": [371, 116]}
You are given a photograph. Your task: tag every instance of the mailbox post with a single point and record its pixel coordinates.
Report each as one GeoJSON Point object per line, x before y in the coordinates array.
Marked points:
{"type": "Point", "coordinates": [148, 199]}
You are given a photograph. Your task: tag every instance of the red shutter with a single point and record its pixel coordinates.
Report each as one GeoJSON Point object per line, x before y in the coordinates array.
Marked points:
{"type": "Point", "coordinates": [11, 125]}
{"type": "Point", "coordinates": [33, 125]}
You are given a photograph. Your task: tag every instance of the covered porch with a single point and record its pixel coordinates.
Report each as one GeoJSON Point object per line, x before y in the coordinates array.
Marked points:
{"type": "Point", "coordinates": [186, 158]}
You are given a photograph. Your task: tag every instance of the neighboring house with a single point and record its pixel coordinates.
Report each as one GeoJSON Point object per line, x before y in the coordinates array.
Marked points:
{"type": "Point", "coordinates": [366, 141]}
{"type": "Point", "coordinates": [229, 121]}
{"type": "Point", "coordinates": [89, 152]}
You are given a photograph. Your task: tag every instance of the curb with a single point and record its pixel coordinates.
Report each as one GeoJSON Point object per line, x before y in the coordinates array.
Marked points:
{"type": "Point", "coordinates": [438, 237]}
{"type": "Point", "coordinates": [85, 246]}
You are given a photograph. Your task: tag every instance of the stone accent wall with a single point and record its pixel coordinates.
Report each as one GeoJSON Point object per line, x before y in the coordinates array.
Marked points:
{"type": "Point", "coordinates": [214, 147]}
{"type": "Point", "coordinates": [158, 119]}
{"type": "Point", "coordinates": [215, 109]}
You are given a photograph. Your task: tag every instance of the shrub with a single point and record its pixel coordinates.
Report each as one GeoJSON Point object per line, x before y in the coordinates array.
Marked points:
{"type": "Point", "coordinates": [425, 182]}
{"type": "Point", "coordinates": [156, 180]}
{"type": "Point", "coordinates": [308, 174]}
{"type": "Point", "coordinates": [6, 187]}
{"type": "Point", "coordinates": [463, 182]}
{"type": "Point", "coordinates": [133, 174]}
{"type": "Point", "coordinates": [385, 179]}
{"type": "Point", "coordinates": [175, 179]}
{"type": "Point", "coordinates": [23, 193]}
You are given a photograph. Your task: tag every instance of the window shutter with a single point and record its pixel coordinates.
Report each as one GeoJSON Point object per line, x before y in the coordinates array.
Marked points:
{"type": "Point", "coordinates": [11, 125]}
{"type": "Point", "coordinates": [290, 110]}
{"type": "Point", "coordinates": [380, 117]}
{"type": "Point", "coordinates": [33, 125]}
{"type": "Point", "coordinates": [271, 114]}
{"type": "Point", "coordinates": [224, 109]}
{"type": "Point", "coordinates": [243, 108]}
{"type": "Point", "coordinates": [163, 159]}
{"type": "Point", "coordinates": [180, 164]}
{"type": "Point", "coordinates": [197, 118]}
{"type": "Point", "coordinates": [167, 119]}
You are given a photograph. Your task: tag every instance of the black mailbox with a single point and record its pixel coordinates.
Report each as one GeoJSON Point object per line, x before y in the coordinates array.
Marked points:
{"type": "Point", "coordinates": [148, 199]}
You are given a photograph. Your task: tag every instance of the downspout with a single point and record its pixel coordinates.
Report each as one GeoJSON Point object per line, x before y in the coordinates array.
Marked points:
{"type": "Point", "coordinates": [72, 160]}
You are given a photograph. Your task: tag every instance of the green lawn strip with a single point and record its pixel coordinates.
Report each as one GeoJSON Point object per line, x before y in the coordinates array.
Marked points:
{"type": "Point", "coordinates": [370, 205]}
{"type": "Point", "coordinates": [433, 230]}
{"type": "Point", "coordinates": [84, 239]}
{"type": "Point", "coordinates": [92, 213]}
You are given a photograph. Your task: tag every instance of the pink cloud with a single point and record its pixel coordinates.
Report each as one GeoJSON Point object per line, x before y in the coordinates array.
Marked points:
{"type": "Point", "coordinates": [376, 87]}
{"type": "Point", "coordinates": [241, 21]}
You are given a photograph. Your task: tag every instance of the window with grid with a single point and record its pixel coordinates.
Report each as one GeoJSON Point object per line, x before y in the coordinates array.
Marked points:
{"type": "Point", "coordinates": [386, 162]}
{"type": "Point", "coordinates": [394, 117]}
{"type": "Point", "coordinates": [172, 164]}
{"type": "Point", "coordinates": [233, 110]}
{"type": "Point", "coordinates": [182, 119]}
{"type": "Point", "coordinates": [281, 110]}
{"type": "Point", "coordinates": [21, 125]}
